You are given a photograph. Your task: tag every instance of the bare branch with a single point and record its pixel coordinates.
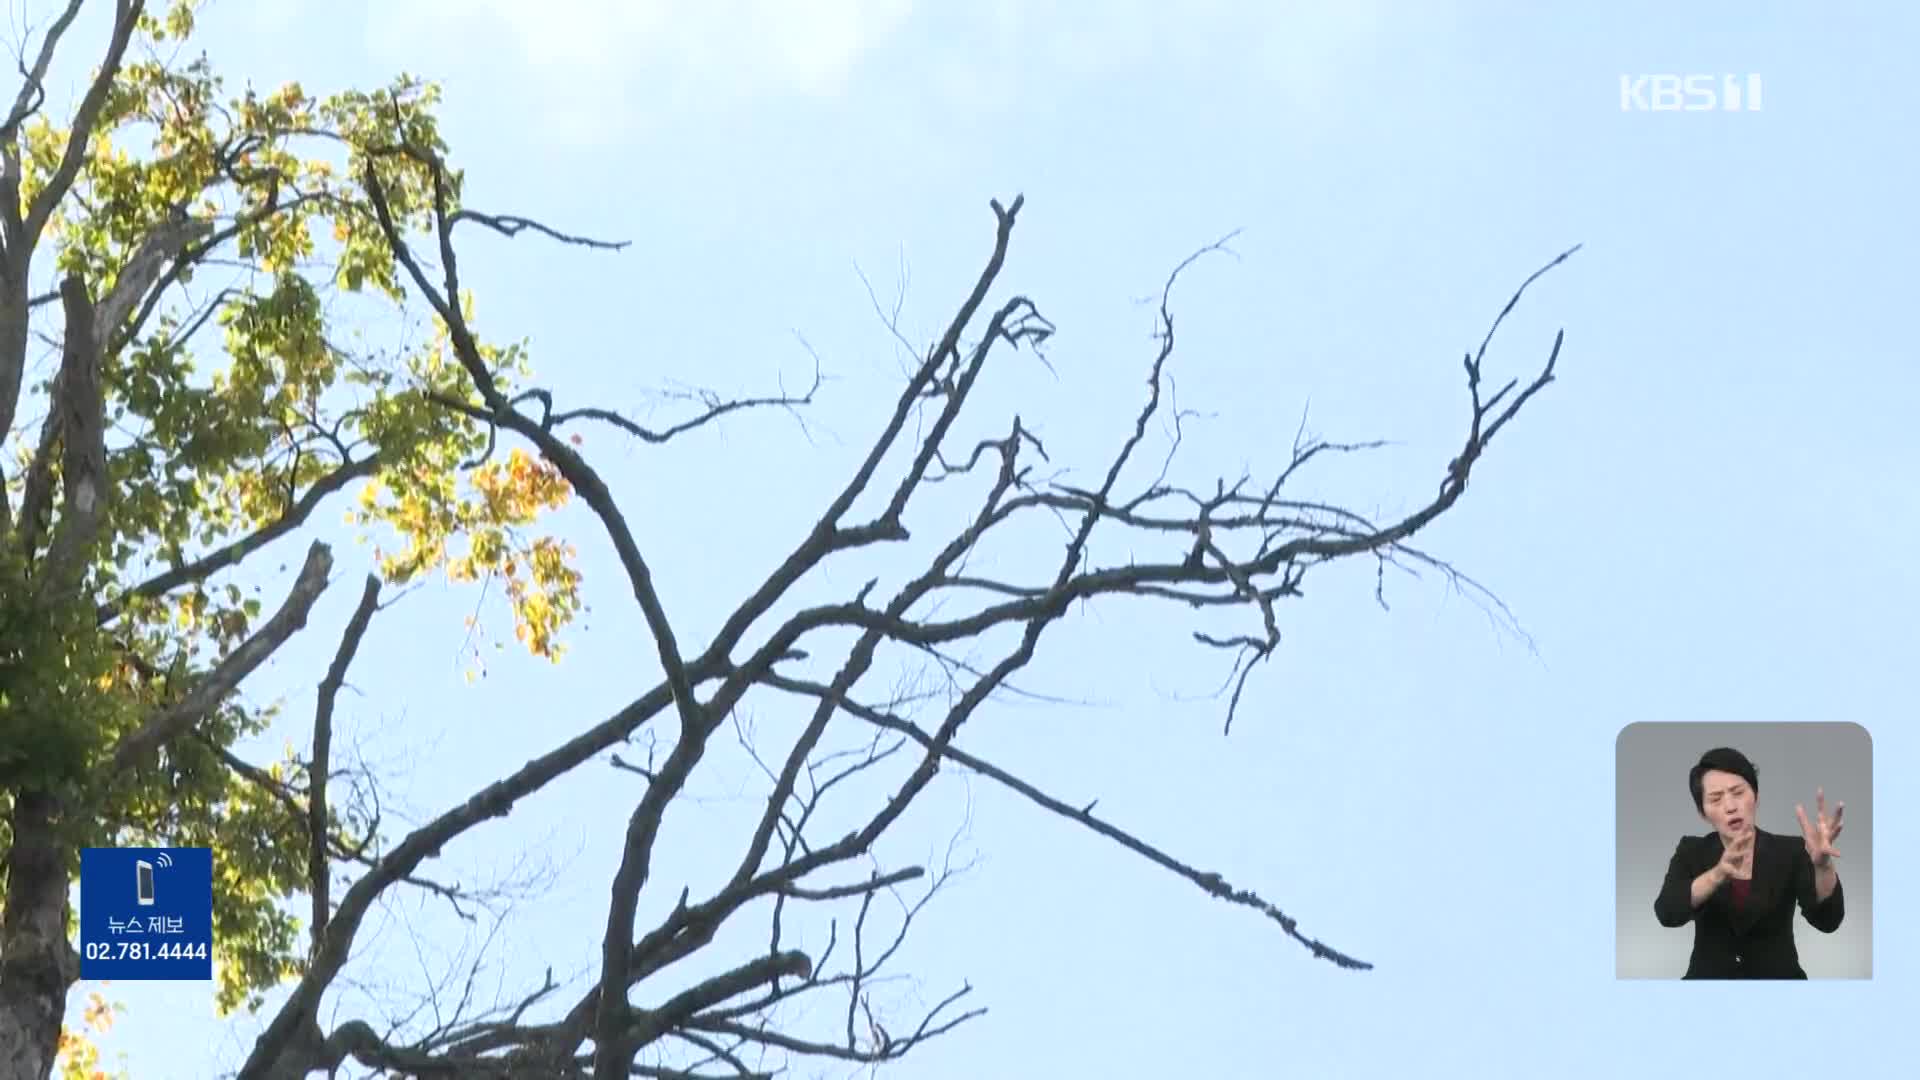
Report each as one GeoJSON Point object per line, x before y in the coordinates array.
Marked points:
{"type": "Point", "coordinates": [572, 466]}
{"type": "Point", "coordinates": [218, 683]}
{"type": "Point", "coordinates": [33, 93]}
{"type": "Point", "coordinates": [296, 806]}
{"type": "Point", "coordinates": [649, 1025]}
{"type": "Point", "coordinates": [233, 553]}
{"type": "Point", "coordinates": [126, 18]}
{"type": "Point", "coordinates": [33, 89]}
{"type": "Point", "coordinates": [863, 888]}
{"type": "Point", "coordinates": [1243, 545]}
{"type": "Point", "coordinates": [714, 409]}
{"type": "Point", "coordinates": [494, 800]}
{"type": "Point", "coordinates": [1212, 882]}
{"type": "Point", "coordinates": [318, 876]}
{"type": "Point", "coordinates": [510, 225]}
{"type": "Point", "coordinates": [636, 859]}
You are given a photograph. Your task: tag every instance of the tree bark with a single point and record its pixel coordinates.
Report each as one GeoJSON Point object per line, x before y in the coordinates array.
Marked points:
{"type": "Point", "coordinates": [37, 965]}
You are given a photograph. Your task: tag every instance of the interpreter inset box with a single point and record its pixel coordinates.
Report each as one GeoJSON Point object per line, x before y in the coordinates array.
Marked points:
{"type": "Point", "coordinates": [1744, 851]}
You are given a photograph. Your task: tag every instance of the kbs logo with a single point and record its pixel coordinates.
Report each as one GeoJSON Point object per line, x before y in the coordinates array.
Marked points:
{"type": "Point", "coordinates": [1689, 93]}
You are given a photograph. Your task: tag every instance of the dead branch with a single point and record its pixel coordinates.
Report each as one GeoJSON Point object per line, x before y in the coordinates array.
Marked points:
{"type": "Point", "coordinates": [219, 682]}
{"type": "Point", "coordinates": [234, 552]}
{"type": "Point", "coordinates": [319, 878]}
{"type": "Point", "coordinates": [1243, 545]}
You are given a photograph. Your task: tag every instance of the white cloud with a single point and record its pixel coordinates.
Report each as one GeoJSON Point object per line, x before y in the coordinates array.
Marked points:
{"type": "Point", "coordinates": [1300, 49]}
{"type": "Point", "coordinates": [707, 49]}
{"type": "Point", "coordinates": [586, 64]}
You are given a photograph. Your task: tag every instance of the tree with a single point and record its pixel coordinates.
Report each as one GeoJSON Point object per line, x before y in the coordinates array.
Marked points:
{"type": "Point", "coordinates": [151, 478]}
{"type": "Point", "coordinates": [156, 473]}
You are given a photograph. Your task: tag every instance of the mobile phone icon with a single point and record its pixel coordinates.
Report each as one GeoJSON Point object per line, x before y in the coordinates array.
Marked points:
{"type": "Point", "coordinates": [143, 871]}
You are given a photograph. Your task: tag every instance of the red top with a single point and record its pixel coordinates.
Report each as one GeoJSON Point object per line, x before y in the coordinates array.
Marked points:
{"type": "Point", "coordinates": [1740, 889]}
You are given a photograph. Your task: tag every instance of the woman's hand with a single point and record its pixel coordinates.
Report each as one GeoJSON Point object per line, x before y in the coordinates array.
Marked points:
{"type": "Point", "coordinates": [1821, 832]}
{"type": "Point", "coordinates": [1736, 859]}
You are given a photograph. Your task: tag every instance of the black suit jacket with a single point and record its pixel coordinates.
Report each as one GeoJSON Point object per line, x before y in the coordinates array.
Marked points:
{"type": "Point", "coordinates": [1755, 942]}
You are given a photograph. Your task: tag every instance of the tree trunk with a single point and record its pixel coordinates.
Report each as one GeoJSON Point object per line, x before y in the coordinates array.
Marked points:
{"type": "Point", "coordinates": [37, 965]}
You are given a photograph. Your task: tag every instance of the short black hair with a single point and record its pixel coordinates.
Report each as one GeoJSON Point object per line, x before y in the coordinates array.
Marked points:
{"type": "Point", "coordinates": [1721, 759]}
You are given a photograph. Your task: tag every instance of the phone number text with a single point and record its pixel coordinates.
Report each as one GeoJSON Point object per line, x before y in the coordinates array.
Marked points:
{"type": "Point", "coordinates": [140, 950]}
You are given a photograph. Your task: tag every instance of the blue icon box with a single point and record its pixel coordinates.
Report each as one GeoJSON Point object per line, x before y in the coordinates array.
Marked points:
{"type": "Point", "coordinates": [146, 913]}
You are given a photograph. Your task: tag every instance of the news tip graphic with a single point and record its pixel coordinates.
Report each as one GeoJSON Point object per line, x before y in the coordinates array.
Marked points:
{"type": "Point", "coordinates": [146, 913]}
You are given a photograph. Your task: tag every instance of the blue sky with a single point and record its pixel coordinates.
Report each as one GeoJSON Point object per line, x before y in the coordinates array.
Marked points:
{"type": "Point", "coordinates": [1703, 519]}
